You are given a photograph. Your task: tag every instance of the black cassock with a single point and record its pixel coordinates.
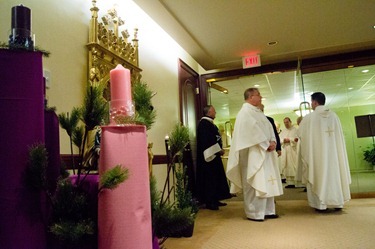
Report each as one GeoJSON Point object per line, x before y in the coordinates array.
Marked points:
{"type": "Point", "coordinates": [212, 184]}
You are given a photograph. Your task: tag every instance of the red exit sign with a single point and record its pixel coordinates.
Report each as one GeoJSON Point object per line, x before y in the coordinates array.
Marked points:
{"type": "Point", "coordinates": [251, 61]}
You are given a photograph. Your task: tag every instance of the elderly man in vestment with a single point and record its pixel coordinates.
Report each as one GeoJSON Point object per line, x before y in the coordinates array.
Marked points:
{"type": "Point", "coordinates": [323, 156]}
{"type": "Point", "coordinates": [288, 160]}
{"type": "Point", "coordinates": [252, 166]}
{"type": "Point", "coordinates": [212, 184]}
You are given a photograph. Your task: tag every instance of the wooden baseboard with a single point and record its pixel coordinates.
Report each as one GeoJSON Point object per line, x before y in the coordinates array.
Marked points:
{"type": "Point", "coordinates": [363, 195]}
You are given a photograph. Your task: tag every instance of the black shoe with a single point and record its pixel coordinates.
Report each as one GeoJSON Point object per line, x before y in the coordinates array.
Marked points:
{"type": "Point", "coordinates": [322, 210]}
{"type": "Point", "coordinates": [257, 220]}
{"type": "Point", "coordinates": [305, 190]}
{"type": "Point", "coordinates": [271, 216]}
{"type": "Point", "coordinates": [283, 180]}
{"type": "Point", "coordinates": [221, 204]}
{"type": "Point", "coordinates": [212, 207]}
{"type": "Point", "coordinates": [290, 186]}
{"type": "Point", "coordinates": [338, 209]}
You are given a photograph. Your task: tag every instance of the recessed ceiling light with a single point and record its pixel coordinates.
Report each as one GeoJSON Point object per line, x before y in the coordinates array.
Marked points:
{"type": "Point", "coordinates": [350, 88]}
{"type": "Point", "coordinates": [256, 85]}
{"type": "Point", "coordinates": [365, 71]}
{"type": "Point", "coordinates": [272, 43]}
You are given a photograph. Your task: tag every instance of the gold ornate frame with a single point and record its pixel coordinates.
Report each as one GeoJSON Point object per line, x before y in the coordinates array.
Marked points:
{"type": "Point", "coordinates": [107, 49]}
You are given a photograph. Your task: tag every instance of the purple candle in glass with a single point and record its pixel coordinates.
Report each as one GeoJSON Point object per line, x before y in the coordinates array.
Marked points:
{"type": "Point", "coordinates": [21, 28]}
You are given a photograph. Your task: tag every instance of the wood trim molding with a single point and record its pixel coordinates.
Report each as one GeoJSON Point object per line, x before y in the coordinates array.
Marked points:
{"type": "Point", "coordinates": [66, 160]}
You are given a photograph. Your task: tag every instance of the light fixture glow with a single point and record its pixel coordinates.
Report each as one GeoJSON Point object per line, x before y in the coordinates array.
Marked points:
{"type": "Point", "coordinates": [365, 71]}
{"type": "Point", "coordinates": [304, 112]}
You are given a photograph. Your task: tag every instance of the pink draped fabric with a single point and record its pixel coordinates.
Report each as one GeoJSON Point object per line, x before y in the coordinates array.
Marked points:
{"type": "Point", "coordinates": [124, 213]}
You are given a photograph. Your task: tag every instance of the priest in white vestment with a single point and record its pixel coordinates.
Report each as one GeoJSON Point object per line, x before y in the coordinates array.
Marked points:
{"type": "Point", "coordinates": [323, 156]}
{"type": "Point", "coordinates": [288, 160]}
{"type": "Point", "coordinates": [252, 166]}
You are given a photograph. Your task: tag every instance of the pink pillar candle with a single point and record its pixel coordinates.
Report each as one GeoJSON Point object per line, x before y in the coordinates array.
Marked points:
{"type": "Point", "coordinates": [120, 84]}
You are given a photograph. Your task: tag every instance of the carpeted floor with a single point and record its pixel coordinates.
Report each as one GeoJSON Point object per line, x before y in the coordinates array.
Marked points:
{"type": "Point", "coordinates": [299, 226]}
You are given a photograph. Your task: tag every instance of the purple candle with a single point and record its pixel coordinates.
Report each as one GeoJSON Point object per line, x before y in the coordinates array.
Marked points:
{"type": "Point", "coordinates": [21, 17]}
{"type": "Point", "coordinates": [21, 28]}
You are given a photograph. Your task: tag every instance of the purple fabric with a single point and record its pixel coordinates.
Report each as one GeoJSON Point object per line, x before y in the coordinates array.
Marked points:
{"type": "Point", "coordinates": [89, 183]}
{"type": "Point", "coordinates": [155, 243]}
{"type": "Point", "coordinates": [22, 222]}
{"type": "Point", "coordinates": [52, 142]}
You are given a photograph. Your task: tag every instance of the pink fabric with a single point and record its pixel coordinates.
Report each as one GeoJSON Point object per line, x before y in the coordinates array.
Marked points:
{"type": "Point", "coordinates": [124, 215]}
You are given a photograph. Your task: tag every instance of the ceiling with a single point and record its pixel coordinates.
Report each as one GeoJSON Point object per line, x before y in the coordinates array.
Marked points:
{"type": "Point", "coordinates": [218, 33]}
{"type": "Point", "coordinates": [283, 92]}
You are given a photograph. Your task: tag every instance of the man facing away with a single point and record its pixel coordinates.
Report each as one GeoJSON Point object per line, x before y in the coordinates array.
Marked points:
{"type": "Point", "coordinates": [252, 166]}
{"type": "Point", "coordinates": [288, 160]}
{"type": "Point", "coordinates": [324, 159]}
{"type": "Point", "coordinates": [212, 185]}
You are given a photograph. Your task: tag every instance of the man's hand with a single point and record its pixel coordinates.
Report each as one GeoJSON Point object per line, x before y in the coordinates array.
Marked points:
{"type": "Point", "coordinates": [278, 153]}
{"type": "Point", "coordinates": [272, 146]}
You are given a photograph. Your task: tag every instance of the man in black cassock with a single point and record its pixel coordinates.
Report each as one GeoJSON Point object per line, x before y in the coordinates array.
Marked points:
{"type": "Point", "coordinates": [212, 185]}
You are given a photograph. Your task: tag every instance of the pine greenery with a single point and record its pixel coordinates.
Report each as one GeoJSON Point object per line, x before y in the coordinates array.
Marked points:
{"type": "Point", "coordinates": [142, 96]}
{"type": "Point", "coordinates": [170, 218]}
{"type": "Point", "coordinates": [22, 47]}
{"type": "Point", "coordinates": [369, 155]}
{"type": "Point", "coordinates": [112, 178]}
{"type": "Point", "coordinates": [178, 140]}
{"type": "Point", "coordinates": [36, 168]}
{"type": "Point", "coordinates": [70, 220]}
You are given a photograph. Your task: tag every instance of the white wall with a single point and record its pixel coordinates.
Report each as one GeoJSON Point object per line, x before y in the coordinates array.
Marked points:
{"type": "Point", "coordinates": [61, 27]}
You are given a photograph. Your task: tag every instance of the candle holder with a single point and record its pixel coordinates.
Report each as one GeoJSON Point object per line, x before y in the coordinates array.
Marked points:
{"type": "Point", "coordinates": [21, 38]}
{"type": "Point", "coordinates": [121, 112]}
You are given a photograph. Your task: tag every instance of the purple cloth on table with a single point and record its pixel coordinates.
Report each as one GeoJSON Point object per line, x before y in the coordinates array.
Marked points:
{"type": "Point", "coordinates": [22, 221]}
{"type": "Point", "coordinates": [90, 183]}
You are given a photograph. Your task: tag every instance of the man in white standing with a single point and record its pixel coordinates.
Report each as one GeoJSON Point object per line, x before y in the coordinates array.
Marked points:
{"type": "Point", "coordinates": [288, 160]}
{"type": "Point", "coordinates": [252, 166]}
{"type": "Point", "coordinates": [324, 158]}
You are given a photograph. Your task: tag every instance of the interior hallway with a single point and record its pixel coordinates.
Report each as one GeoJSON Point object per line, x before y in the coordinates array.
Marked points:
{"type": "Point", "coordinates": [299, 226]}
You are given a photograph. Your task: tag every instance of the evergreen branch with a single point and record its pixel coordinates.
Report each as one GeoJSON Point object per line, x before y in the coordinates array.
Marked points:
{"type": "Point", "coordinates": [23, 48]}
{"type": "Point", "coordinates": [37, 166]}
{"type": "Point", "coordinates": [142, 96]}
{"type": "Point", "coordinates": [111, 178]}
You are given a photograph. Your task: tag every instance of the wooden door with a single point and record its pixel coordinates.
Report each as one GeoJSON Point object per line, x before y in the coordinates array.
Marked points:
{"type": "Point", "coordinates": [189, 109]}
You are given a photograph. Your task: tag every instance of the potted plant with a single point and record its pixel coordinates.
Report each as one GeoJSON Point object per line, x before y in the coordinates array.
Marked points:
{"type": "Point", "coordinates": [174, 209]}
{"type": "Point", "coordinates": [369, 155]}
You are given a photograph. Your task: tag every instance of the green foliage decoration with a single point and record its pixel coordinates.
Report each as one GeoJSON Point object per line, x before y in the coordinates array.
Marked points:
{"type": "Point", "coordinates": [3, 45]}
{"type": "Point", "coordinates": [71, 231]}
{"type": "Point", "coordinates": [184, 197]}
{"type": "Point", "coordinates": [142, 96]}
{"type": "Point", "coordinates": [95, 108]}
{"type": "Point", "coordinates": [369, 155]}
{"type": "Point", "coordinates": [167, 218]}
{"type": "Point", "coordinates": [69, 122]}
{"type": "Point", "coordinates": [113, 177]}
{"type": "Point", "coordinates": [178, 140]}
{"type": "Point", "coordinates": [36, 168]}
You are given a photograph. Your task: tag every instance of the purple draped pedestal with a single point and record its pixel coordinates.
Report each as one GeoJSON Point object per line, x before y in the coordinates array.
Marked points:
{"type": "Point", "coordinates": [52, 142]}
{"type": "Point", "coordinates": [22, 216]}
